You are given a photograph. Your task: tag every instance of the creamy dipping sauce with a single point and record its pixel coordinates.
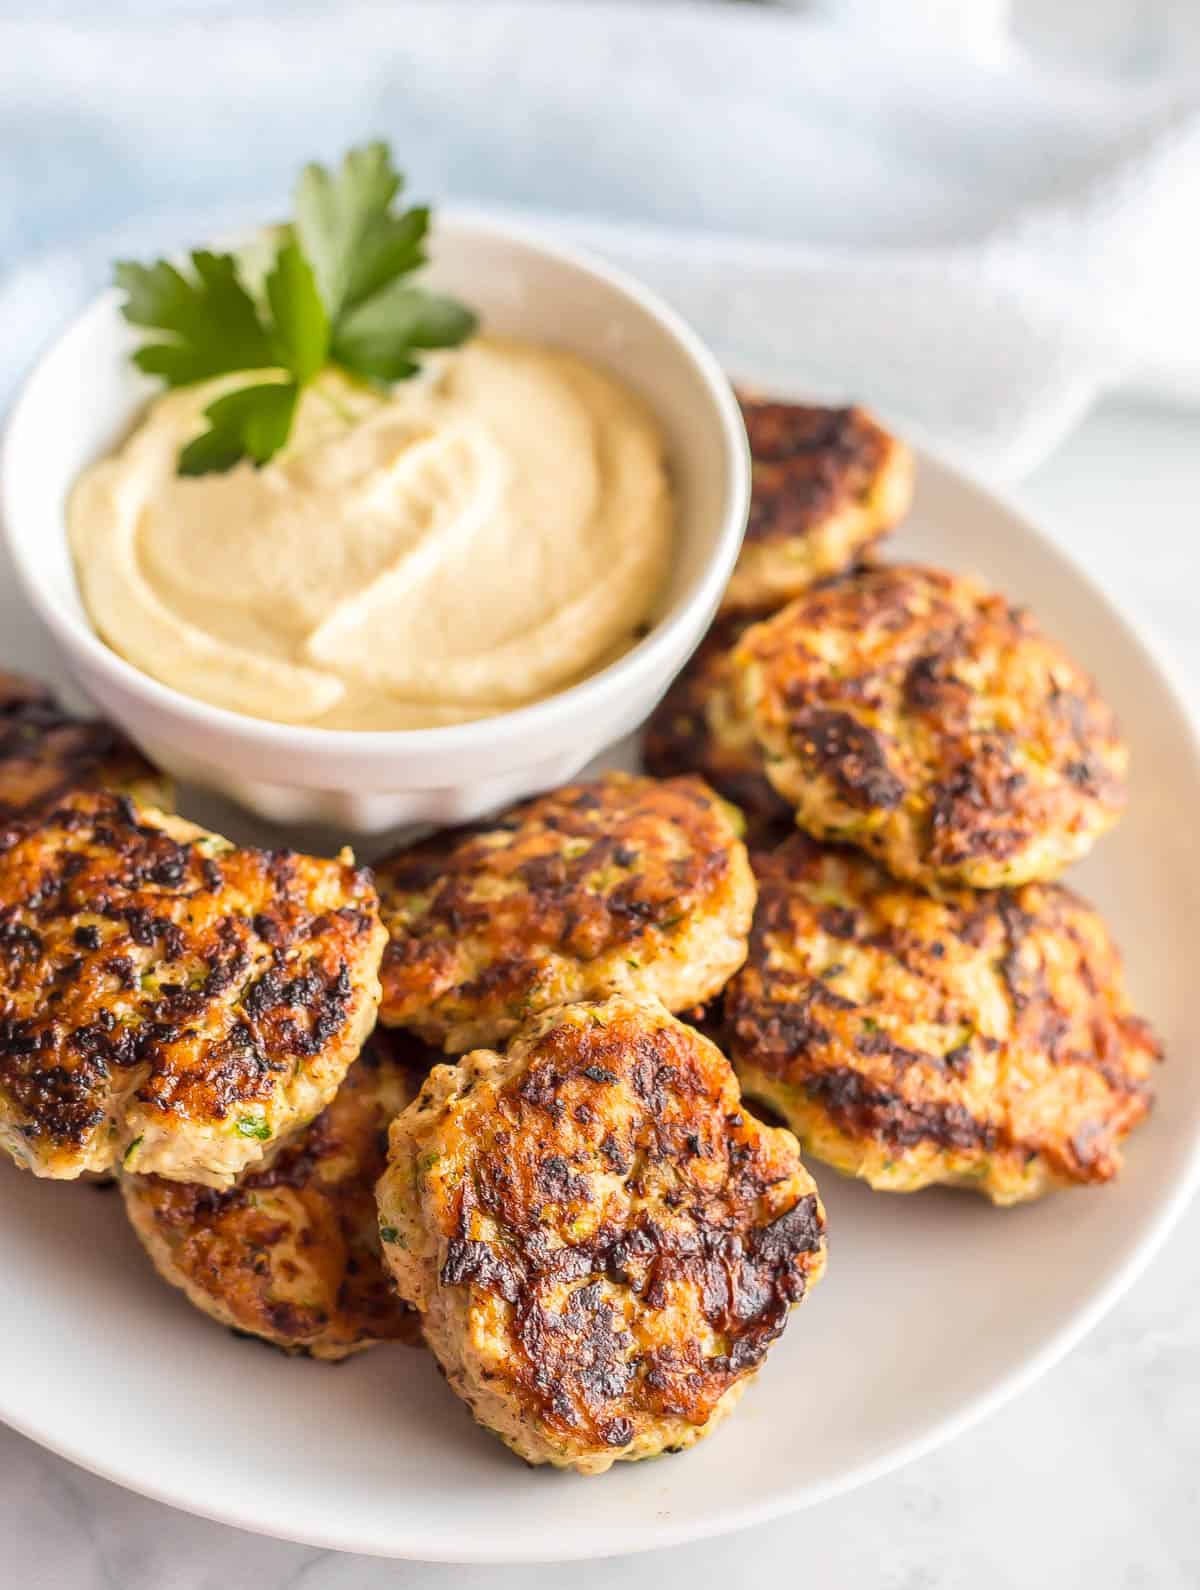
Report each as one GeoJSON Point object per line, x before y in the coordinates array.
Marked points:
{"type": "Point", "coordinates": [476, 539]}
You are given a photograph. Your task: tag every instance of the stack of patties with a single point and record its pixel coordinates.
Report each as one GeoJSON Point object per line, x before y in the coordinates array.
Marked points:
{"type": "Point", "coordinates": [928, 1006]}
{"type": "Point", "coordinates": [185, 1012]}
{"type": "Point", "coordinates": [575, 1211]}
{"type": "Point", "coordinates": [601, 1242]}
{"type": "Point", "coordinates": [291, 1253]}
{"type": "Point", "coordinates": [828, 483]}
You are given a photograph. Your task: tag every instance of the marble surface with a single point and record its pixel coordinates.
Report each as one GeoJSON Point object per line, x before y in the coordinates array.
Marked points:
{"type": "Point", "coordinates": [1090, 1478]}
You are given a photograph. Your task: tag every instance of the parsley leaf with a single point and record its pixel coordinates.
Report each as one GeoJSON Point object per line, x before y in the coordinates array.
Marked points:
{"type": "Point", "coordinates": [211, 321]}
{"type": "Point", "coordinates": [334, 295]}
{"type": "Point", "coordinates": [253, 422]}
{"type": "Point", "coordinates": [377, 338]}
{"type": "Point", "coordinates": [301, 324]}
{"type": "Point", "coordinates": [344, 226]}
{"type": "Point", "coordinates": [360, 254]}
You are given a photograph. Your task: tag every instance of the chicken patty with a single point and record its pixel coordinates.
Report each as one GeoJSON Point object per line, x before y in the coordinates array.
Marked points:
{"type": "Point", "coordinates": [292, 1252]}
{"type": "Point", "coordinates": [169, 1002]}
{"type": "Point", "coordinates": [827, 484]}
{"type": "Point", "coordinates": [981, 1039]}
{"type": "Point", "coordinates": [601, 1242]}
{"type": "Point", "coordinates": [698, 727]}
{"type": "Point", "coordinates": [620, 885]}
{"type": "Point", "coordinates": [926, 719]}
{"type": "Point", "coordinates": [45, 752]}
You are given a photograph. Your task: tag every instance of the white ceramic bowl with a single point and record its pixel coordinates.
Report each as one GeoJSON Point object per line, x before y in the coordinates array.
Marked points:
{"type": "Point", "coordinates": [83, 395]}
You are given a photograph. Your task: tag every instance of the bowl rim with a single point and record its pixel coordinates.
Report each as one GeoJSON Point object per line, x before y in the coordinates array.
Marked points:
{"type": "Point", "coordinates": [659, 650]}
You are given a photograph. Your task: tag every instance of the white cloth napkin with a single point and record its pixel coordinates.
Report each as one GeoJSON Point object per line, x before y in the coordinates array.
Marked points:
{"type": "Point", "coordinates": [980, 252]}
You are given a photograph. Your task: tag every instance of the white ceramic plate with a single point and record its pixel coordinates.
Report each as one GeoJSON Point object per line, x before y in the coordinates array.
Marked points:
{"type": "Point", "coordinates": [935, 1308]}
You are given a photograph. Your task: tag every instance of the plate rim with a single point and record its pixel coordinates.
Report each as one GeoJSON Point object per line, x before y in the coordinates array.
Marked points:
{"type": "Point", "coordinates": [665, 1533]}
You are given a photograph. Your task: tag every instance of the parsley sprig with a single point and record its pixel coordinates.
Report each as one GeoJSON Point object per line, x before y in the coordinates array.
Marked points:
{"type": "Point", "coordinates": [337, 294]}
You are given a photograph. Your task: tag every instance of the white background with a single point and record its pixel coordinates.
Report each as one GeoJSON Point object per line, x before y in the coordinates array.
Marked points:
{"type": "Point", "coordinates": [1092, 1478]}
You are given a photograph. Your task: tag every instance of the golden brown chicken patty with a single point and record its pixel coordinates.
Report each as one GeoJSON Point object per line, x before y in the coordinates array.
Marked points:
{"type": "Point", "coordinates": [981, 1039]}
{"type": "Point", "coordinates": [827, 483]}
{"type": "Point", "coordinates": [167, 1001]}
{"type": "Point", "coordinates": [45, 752]}
{"type": "Point", "coordinates": [698, 727]}
{"type": "Point", "coordinates": [926, 719]}
{"type": "Point", "coordinates": [624, 884]}
{"type": "Point", "coordinates": [602, 1243]}
{"type": "Point", "coordinates": [292, 1252]}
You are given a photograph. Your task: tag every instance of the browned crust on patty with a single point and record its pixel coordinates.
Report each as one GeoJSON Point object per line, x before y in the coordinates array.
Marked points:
{"type": "Point", "coordinates": [621, 883]}
{"type": "Point", "coordinates": [809, 462]}
{"type": "Point", "coordinates": [927, 719]}
{"type": "Point", "coordinates": [827, 484]}
{"type": "Point", "coordinates": [633, 1236]}
{"type": "Point", "coordinates": [153, 985]}
{"type": "Point", "coordinates": [698, 727]}
{"type": "Point", "coordinates": [977, 1036]}
{"type": "Point", "coordinates": [292, 1253]}
{"type": "Point", "coordinates": [45, 752]}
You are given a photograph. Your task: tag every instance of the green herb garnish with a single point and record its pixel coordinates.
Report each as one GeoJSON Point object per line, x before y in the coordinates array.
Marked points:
{"type": "Point", "coordinates": [337, 296]}
{"type": "Point", "coordinates": [253, 1126]}
{"type": "Point", "coordinates": [388, 1234]}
